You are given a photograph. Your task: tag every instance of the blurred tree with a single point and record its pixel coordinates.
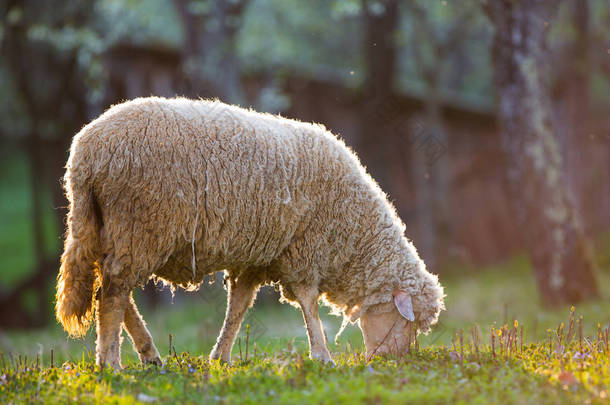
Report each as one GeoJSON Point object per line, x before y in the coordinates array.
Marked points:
{"type": "Point", "coordinates": [579, 42]}
{"type": "Point", "coordinates": [44, 48]}
{"type": "Point", "coordinates": [434, 41]}
{"type": "Point", "coordinates": [212, 70]}
{"type": "Point", "coordinates": [379, 47]}
{"type": "Point", "coordinates": [284, 40]}
{"type": "Point", "coordinates": [550, 227]}
{"type": "Point", "coordinates": [571, 90]}
{"type": "Point", "coordinates": [318, 39]}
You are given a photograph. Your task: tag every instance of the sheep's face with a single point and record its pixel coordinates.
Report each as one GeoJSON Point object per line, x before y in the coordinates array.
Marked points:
{"type": "Point", "coordinates": [388, 332]}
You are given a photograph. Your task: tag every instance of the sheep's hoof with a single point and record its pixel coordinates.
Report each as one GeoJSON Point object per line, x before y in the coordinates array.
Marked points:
{"type": "Point", "coordinates": [111, 364]}
{"type": "Point", "coordinates": [223, 359]}
{"type": "Point", "coordinates": [150, 356]}
{"type": "Point", "coordinates": [330, 362]}
{"type": "Point", "coordinates": [220, 360]}
{"type": "Point", "coordinates": [214, 356]}
{"type": "Point", "coordinates": [155, 361]}
{"type": "Point", "coordinates": [323, 357]}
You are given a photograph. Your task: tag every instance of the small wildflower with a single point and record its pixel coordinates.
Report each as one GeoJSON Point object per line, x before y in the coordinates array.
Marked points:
{"type": "Point", "coordinates": [578, 356]}
{"type": "Point", "coordinates": [146, 398]}
{"type": "Point", "coordinates": [567, 378]}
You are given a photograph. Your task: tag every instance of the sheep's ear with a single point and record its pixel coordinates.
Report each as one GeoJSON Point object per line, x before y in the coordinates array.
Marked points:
{"type": "Point", "coordinates": [403, 303]}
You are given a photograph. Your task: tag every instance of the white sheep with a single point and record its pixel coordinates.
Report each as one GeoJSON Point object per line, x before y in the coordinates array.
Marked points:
{"type": "Point", "coordinates": [176, 189]}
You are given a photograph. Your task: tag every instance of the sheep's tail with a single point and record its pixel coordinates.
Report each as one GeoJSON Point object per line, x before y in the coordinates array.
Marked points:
{"type": "Point", "coordinates": [78, 274]}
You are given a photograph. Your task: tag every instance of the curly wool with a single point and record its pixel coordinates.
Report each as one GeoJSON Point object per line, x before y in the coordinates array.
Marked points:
{"type": "Point", "coordinates": [186, 188]}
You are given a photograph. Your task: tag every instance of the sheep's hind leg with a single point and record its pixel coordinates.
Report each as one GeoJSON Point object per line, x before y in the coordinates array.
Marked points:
{"type": "Point", "coordinates": [307, 297]}
{"type": "Point", "coordinates": [140, 336]}
{"type": "Point", "coordinates": [240, 297]}
{"type": "Point", "coordinates": [112, 303]}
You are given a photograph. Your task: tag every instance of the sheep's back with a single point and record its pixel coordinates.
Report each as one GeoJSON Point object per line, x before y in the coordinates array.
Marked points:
{"type": "Point", "coordinates": [170, 172]}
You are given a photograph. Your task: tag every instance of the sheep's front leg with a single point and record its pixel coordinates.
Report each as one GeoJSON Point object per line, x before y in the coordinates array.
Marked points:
{"type": "Point", "coordinates": [307, 298]}
{"type": "Point", "coordinates": [113, 300]}
{"type": "Point", "coordinates": [240, 297]}
{"type": "Point", "coordinates": [140, 336]}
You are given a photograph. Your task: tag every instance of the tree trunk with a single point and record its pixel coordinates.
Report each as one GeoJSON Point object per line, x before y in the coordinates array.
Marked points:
{"type": "Point", "coordinates": [562, 259]}
{"type": "Point", "coordinates": [381, 22]}
{"type": "Point", "coordinates": [572, 108]}
{"type": "Point", "coordinates": [213, 71]}
{"type": "Point", "coordinates": [63, 106]}
{"type": "Point", "coordinates": [429, 166]}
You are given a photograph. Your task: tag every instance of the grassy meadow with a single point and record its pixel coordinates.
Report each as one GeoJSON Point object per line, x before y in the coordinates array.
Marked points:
{"type": "Point", "coordinates": [533, 360]}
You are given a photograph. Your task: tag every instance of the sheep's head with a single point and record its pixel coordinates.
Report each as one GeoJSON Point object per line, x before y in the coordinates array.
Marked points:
{"type": "Point", "coordinates": [389, 332]}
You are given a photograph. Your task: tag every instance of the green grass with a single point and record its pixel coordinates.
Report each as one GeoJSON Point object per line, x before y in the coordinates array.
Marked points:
{"type": "Point", "coordinates": [278, 371]}
{"type": "Point", "coordinates": [16, 232]}
{"type": "Point", "coordinates": [283, 374]}
{"type": "Point", "coordinates": [434, 375]}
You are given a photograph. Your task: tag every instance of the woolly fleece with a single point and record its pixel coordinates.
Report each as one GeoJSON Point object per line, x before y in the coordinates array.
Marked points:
{"type": "Point", "coordinates": [175, 189]}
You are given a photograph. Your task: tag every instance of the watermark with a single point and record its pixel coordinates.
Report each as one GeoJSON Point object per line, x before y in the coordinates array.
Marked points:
{"type": "Point", "coordinates": [421, 138]}
{"type": "Point", "coordinates": [410, 129]}
{"type": "Point", "coordinates": [257, 327]}
{"type": "Point", "coordinates": [439, 330]}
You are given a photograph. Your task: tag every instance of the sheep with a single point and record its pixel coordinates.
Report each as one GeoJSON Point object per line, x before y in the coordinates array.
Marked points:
{"type": "Point", "coordinates": [176, 189]}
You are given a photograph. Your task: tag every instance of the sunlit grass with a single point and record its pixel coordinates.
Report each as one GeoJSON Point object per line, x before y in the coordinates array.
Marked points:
{"type": "Point", "coordinates": [470, 370]}
{"type": "Point", "coordinates": [450, 365]}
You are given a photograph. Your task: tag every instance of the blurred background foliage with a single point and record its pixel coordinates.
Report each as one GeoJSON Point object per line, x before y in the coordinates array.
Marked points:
{"type": "Point", "coordinates": [374, 72]}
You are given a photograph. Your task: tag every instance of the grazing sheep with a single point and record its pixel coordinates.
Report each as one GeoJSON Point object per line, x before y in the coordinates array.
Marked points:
{"type": "Point", "coordinates": [176, 189]}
